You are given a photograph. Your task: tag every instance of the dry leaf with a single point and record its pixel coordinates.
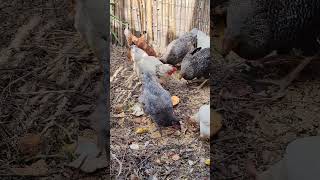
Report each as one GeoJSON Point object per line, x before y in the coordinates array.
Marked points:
{"type": "Point", "coordinates": [142, 130]}
{"type": "Point", "coordinates": [207, 162]}
{"type": "Point", "coordinates": [134, 177]}
{"type": "Point", "coordinates": [134, 146]}
{"type": "Point", "coordinates": [175, 100]}
{"type": "Point", "coordinates": [39, 168]}
{"type": "Point", "coordinates": [69, 148]}
{"type": "Point", "coordinates": [217, 122]}
{"type": "Point", "coordinates": [29, 144]}
{"type": "Point", "coordinates": [121, 115]}
{"type": "Point", "coordinates": [175, 157]}
{"type": "Point", "coordinates": [140, 120]}
{"type": "Point", "coordinates": [137, 110]}
{"type": "Point", "coordinates": [155, 135]}
{"type": "Point", "coordinates": [88, 160]}
{"type": "Point", "coordinates": [158, 161]}
{"type": "Point", "coordinates": [118, 108]}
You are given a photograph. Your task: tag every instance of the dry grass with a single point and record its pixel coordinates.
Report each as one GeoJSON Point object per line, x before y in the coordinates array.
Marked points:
{"type": "Point", "coordinates": [46, 73]}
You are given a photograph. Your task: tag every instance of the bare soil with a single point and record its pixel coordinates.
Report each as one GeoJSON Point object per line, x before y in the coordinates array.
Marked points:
{"type": "Point", "coordinates": [255, 128]}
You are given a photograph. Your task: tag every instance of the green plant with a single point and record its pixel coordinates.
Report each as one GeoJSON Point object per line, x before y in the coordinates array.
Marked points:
{"type": "Point", "coordinates": [113, 17]}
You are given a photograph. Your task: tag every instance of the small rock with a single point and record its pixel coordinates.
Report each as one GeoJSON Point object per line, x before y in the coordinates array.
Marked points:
{"type": "Point", "coordinates": [191, 163]}
{"type": "Point", "coordinates": [175, 157]}
{"type": "Point", "coordinates": [134, 146]}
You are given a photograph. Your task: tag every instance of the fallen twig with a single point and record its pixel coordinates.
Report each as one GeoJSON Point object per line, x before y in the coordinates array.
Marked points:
{"type": "Point", "coordinates": [120, 164]}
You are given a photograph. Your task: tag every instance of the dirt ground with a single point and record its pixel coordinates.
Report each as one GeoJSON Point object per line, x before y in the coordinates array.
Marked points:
{"type": "Point", "coordinates": [176, 155]}
{"type": "Point", "coordinates": [48, 83]}
{"type": "Point", "coordinates": [256, 128]}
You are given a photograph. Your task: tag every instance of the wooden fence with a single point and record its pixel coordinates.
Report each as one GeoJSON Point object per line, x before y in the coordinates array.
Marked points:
{"type": "Point", "coordinates": [163, 20]}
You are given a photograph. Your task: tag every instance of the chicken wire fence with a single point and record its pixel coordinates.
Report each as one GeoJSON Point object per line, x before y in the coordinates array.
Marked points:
{"type": "Point", "coordinates": [162, 20]}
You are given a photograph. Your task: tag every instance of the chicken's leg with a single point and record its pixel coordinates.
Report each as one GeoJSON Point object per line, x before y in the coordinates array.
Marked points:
{"type": "Point", "coordinates": [202, 84]}
{"type": "Point", "coordinates": [287, 80]}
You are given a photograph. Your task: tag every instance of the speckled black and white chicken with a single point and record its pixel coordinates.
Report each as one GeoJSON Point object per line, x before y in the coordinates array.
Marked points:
{"type": "Point", "coordinates": [157, 102]}
{"type": "Point", "coordinates": [178, 48]}
{"type": "Point", "coordinates": [196, 64]}
{"type": "Point", "coordinates": [255, 28]}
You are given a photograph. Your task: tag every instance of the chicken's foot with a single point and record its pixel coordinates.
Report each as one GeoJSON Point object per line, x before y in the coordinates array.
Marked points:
{"type": "Point", "coordinates": [202, 84]}
{"type": "Point", "coordinates": [287, 80]}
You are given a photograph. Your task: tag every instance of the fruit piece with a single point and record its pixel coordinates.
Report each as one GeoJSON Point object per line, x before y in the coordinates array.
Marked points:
{"type": "Point", "coordinates": [207, 162]}
{"type": "Point", "coordinates": [142, 130]}
{"type": "Point", "coordinates": [175, 100]}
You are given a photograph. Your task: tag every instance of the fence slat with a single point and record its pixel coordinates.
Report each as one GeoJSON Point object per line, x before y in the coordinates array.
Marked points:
{"type": "Point", "coordinates": [163, 20]}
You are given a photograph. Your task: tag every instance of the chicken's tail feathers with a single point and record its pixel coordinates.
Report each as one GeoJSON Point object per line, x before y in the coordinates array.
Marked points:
{"type": "Point", "coordinates": [195, 50]}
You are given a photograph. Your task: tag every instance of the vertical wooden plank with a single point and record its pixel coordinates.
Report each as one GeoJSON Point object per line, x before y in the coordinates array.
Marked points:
{"type": "Point", "coordinates": [157, 22]}
{"type": "Point", "coordinates": [178, 16]}
{"type": "Point", "coordinates": [155, 19]}
{"type": "Point", "coordinates": [140, 15]}
{"type": "Point", "coordinates": [187, 15]}
{"type": "Point", "coordinates": [130, 13]}
{"type": "Point", "coordinates": [145, 24]}
{"type": "Point", "coordinates": [137, 15]}
{"type": "Point", "coordinates": [119, 24]}
{"type": "Point", "coordinates": [174, 17]}
{"type": "Point", "coordinates": [149, 19]}
{"type": "Point", "coordinates": [161, 23]}
{"type": "Point", "coordinates": [169, 21]}
{"type": "Point", "coordinates": [167, 15]}
{"type": "Point", "coordinates": [183, 16]}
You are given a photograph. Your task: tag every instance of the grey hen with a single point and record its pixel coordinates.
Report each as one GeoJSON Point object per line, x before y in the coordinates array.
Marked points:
{"type": "Point", "coordinates": [196, 64]}
{"type": "Point", "coordinates": [257, 27]}
{"type": "Point", "coordinates": [157, 103]}
{"type": "Point", "coordinates": [178, 48]}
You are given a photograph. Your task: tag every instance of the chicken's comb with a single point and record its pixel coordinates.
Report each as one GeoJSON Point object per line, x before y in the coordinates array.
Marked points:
{"type": "Point", "coordinates": [174, 69]}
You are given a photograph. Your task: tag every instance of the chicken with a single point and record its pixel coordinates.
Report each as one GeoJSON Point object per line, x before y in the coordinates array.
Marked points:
{"type": "Point", "coordinates": [129, 36]}
{"type": "Point", "coordinates": [157, 103]}
{"type": "Point", "coordinates": [139, 42]}
{"type": "Point", "coordinates": [196, 64]}
{"type": "Point", "coordinates": [203, 118]}
{"type": "Point", "coordinates": [178, 48]}
{"type": "Point", "coordinates": [144, 63]}
{"type": "Point", "coordinates": [256, 28]}
{"type": "Point", "coordinates": [91, 21]}
{"type": "Point", "coordinates": [203, 40]}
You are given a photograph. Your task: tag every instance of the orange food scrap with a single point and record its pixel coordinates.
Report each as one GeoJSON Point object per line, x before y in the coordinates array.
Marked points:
{"type": "Point", "coordinates": [175, 100]}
